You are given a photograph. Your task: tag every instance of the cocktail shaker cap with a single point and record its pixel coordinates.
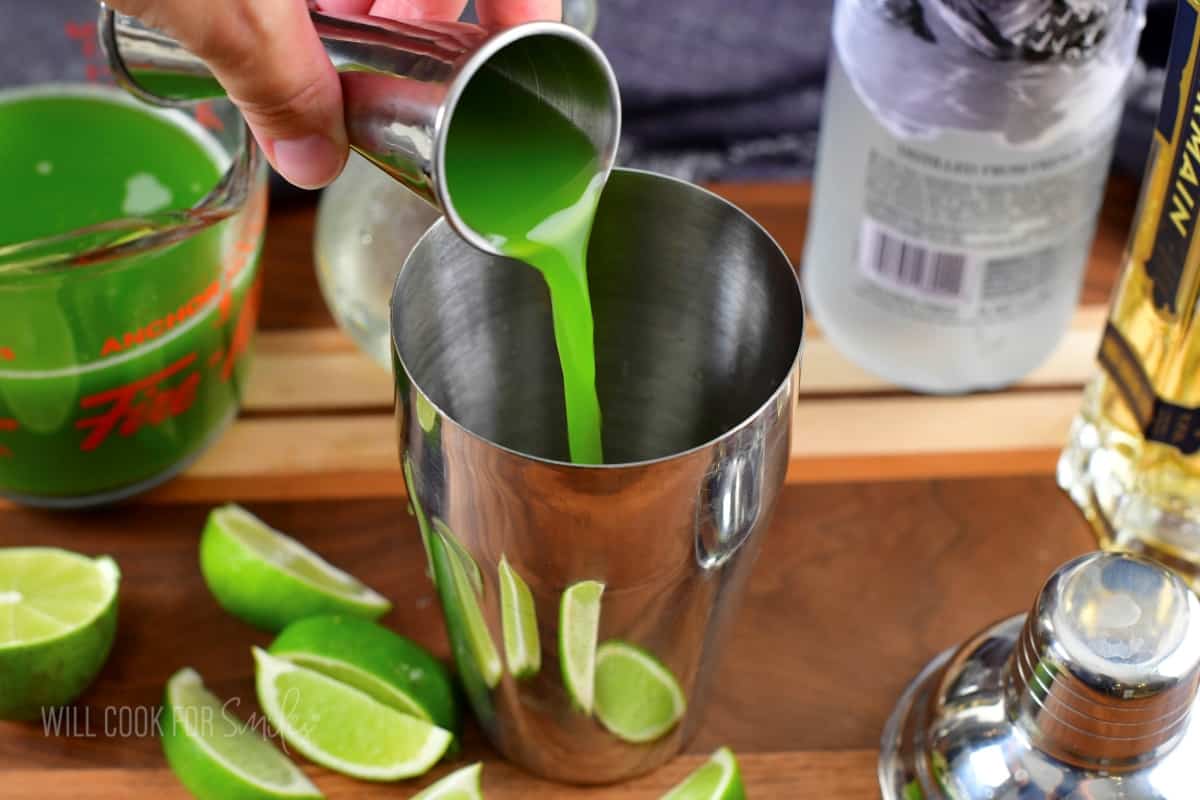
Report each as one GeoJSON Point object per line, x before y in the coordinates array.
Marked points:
{"type": "Point", "coordinates": [1089, 695]}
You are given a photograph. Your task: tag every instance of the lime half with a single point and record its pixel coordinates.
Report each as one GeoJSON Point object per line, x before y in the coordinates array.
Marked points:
{"type": "Point", "coordinates": [390, 668]}
{"type": "Point", "coordinates": [518, 618]}
{"type": "Point", "coordinates": [341, 728]}
{"type": "Point", "coordinates": [462, 784]}
{"type": "Point", "coordinates": [58, 619]}
{"type": "Point", "coordinates": [578, 628]}
{"type": "Point", "coordinates": [215, 755]}
{"type": "Point", "coordinates": [718, 779]}
{"type": "Point", "coordinates": [637, 697]}
{"type": "Point", "coordinates": [268, 579]}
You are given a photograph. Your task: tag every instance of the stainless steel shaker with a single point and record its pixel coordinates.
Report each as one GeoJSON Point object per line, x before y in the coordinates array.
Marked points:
{"type": "Point", "coordinates": [698, 322]}
{"type": "Point", "coordinates": [1089, 697]}
{"type": "Point", "coordinates": [401, 85]}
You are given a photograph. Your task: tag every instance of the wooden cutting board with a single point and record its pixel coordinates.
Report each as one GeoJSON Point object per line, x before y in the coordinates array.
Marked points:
{"type": "Point", "coordinates": [907, 523]}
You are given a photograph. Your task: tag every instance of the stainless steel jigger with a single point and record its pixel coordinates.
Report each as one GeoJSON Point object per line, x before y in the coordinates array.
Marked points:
{"type": "Point", "coordinates": [1089, 697]}
{"type": "Point", "coordinates": [401, 85]}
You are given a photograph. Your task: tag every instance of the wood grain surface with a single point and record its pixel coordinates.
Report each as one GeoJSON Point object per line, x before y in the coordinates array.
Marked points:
{"type": "Point", "coordinates": [907, 523]}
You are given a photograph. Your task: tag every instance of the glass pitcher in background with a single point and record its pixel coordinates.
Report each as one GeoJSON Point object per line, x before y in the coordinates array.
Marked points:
{"type": "Point", "coordinates": [366, 225]}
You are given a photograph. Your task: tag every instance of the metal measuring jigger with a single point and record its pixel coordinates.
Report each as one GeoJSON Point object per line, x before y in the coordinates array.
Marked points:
{"type": "Point", "coordinates": [401, 85]}
{"type": "Point", "coordinates": [1089, 697]}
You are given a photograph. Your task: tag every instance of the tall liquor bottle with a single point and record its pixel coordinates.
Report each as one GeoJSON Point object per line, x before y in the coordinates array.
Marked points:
{"type": "Point", "coordinates": [1133, 460]}
{"type": "Point", "coordinates": [963, 156]}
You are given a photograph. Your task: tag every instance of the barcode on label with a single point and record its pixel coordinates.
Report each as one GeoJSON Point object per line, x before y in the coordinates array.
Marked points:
{"type": "Point", "coordinates": [897, 262]}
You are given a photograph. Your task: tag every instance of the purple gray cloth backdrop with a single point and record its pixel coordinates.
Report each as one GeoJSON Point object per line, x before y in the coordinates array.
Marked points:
{"type": "Point", "coordinates": [712, 89]}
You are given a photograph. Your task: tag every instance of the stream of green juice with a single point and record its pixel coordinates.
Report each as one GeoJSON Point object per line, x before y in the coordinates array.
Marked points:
{"type": "Point", "coordinates": [536, 204]}
{"type": "Point", "coordinates": [112, 375]}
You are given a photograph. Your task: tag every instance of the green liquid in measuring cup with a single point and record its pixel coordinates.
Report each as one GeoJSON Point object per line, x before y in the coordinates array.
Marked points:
{"type": "Point", "coordinates": [112, 375]}
{"type": "Point", "coordinates": [536, 204]}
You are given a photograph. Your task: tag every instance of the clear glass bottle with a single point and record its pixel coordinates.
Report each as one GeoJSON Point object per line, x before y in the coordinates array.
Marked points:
{"type": "Point", "coordinates": [962, 161]}
{"type": "Point", "coordinates": [366, 225]}
{"type": "Point", "coordinates": [1133, 460]}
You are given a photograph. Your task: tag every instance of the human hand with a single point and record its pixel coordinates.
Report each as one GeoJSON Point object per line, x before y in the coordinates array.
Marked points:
{"type": "Point", "coordinates": [268, 57]}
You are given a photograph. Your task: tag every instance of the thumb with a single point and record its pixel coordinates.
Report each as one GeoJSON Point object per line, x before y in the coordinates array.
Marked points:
{"type": "Point", "coordinates": [268, 57]}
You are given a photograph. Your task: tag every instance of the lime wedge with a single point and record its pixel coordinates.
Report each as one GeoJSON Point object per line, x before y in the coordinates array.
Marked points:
{"type": "Point", "coordinates": [637, 697]}
{"type": "Point", "coordinates": [390, 668]}
{"type": "Point", "coordinates": [341, 728]}
{"type": "Point", "coordinates": [462, 784]}
{"type": "Point", "coordinates": [215, 755]}
{"type": "Point", "coordinates": [268, 579]}
{"type": "Point", "coordinates": [455, 548]}
{"type": "Point", "coordinates": [58, 618]}
{"type": "Point", "coordinates": [426, 414]}
{"type": "Point", "coordinates": [518, 618]}
{"type": "Point", "coordinates": [419, 513]}
{"type": "Point", "coordinates": [578, 628]}
{"type": "Point", "coordinates": [471, 623]}
{"type": "Point", "coordinates": [718, 779]}
{"type": "Point", "coordinates": [470, 666]}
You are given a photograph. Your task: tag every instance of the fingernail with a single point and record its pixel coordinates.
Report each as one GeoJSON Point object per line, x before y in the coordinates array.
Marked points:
{"type": "Point", "coordinates": [309, 162]}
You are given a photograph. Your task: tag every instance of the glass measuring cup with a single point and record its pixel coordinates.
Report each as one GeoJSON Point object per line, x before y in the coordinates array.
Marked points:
{"type": "Point", "coordinates": [123, 339]}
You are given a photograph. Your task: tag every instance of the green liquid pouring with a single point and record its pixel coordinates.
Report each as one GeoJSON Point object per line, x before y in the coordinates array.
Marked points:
{"type": "Point", "coordinates": [111, 376]}
{"type": "Point", "coordinates": [535, 204]}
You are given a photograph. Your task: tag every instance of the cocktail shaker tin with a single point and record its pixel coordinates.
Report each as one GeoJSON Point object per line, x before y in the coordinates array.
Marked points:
{"type": "Point", "coordinates": [1089, 696]}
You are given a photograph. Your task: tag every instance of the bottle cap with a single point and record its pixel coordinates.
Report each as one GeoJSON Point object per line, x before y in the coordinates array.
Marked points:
{"type": "Point", "coordinates": [1089, 695]}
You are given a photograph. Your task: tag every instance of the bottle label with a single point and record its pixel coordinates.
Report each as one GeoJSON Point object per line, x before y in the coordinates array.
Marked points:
{"type": "Point", "coordinates": [959, 240]}
{"type": "Point", "coordinates": [1179, 127]}
{"type": "Point", "coordinates": [1145, 349]}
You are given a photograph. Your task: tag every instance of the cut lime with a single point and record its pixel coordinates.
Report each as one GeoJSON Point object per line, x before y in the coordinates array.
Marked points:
{"type": "Point", "coordinates": [341, 728]}
{"type": "Point", "coordinates": [462, 784]}
{"type": "Point", "coordinates": [518, 618]}
{"type": "Point", "coordinates": [215, 755]}
{"type": "Point", "coordinates": [390, 668]}
{"type": "Point", "coordinates": [718, 779]}
{"type": "Point", "coordinates": [268, 579]}
{"type": "Point", "coordinates": [474, 626]}
{"type": "Point", "coordinates": [578, 628]}
{"type": "Point", "coordinates": [58, 618]}
{"type": "Point", "coordinates": [637, 697]}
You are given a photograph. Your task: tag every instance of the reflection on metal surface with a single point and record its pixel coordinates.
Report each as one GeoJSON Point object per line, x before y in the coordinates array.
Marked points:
{"type": "Point", "coordinates": [637, 698]}
{"type": "Point", "coordinates": [698, 331]}
{"type": "Point", "coordinates": [518, 618]}
{"type": "Point", "coordinates": [1090, 696]}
